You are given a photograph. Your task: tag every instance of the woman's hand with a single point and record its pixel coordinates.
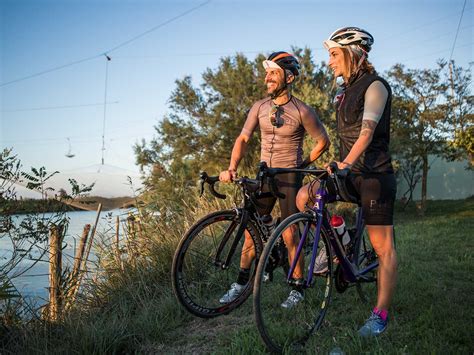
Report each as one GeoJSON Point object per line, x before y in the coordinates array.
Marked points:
{"type": "Point", "coordinates": [340, 166]}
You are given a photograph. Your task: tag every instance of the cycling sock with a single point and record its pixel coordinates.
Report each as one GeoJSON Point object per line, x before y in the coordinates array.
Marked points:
{"type": "Point", "coordinates": [244, 276]}
{"type": "Point", "coordinates": [383, 313]}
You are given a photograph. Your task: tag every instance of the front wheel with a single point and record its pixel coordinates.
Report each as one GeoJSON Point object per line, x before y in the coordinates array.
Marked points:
{"type": "Point", "coordinates": [207, 262]}
{"type": "Point", "coordinates": [365, 258]}
{"type": "Point", "coordinates": [289, 328]}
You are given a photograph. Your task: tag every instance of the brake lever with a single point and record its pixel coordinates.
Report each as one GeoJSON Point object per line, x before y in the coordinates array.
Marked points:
{"type": "Point", "coordinates": [202, 177]}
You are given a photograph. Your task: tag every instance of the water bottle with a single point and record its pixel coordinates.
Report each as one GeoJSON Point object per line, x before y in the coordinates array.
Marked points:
{"type": "Point", "coordinates": [337, 222]}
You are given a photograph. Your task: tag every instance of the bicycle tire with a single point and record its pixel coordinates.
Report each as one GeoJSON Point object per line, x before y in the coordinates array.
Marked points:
{"type": "Point", "coordinates": [198, 278]}
{"type": "Point", "coordinates": [288, 329]}
{"type": "Point", "coordinates": [366, 286]}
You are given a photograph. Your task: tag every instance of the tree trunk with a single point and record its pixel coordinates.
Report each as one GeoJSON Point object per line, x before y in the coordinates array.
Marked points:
{"type": "Point", "coordinates": [424, 183]}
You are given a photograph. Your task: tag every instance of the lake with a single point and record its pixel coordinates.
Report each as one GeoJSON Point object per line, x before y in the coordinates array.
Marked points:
{"type": "Point", "coordinates": [34, 283]}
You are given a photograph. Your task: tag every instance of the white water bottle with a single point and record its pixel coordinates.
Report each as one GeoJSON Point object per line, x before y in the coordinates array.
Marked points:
{"type": "Point", "coordinates": [337, 222]}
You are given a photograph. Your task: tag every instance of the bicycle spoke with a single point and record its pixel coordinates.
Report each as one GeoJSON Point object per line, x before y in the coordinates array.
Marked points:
{"type": "Point", "coordinates": [200, 277]}
{"type": "Point", "coordinates": [287, 328]}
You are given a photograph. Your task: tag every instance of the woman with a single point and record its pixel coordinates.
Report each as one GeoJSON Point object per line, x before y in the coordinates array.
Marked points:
{"type": "Point", "coordinates": [363, 105]}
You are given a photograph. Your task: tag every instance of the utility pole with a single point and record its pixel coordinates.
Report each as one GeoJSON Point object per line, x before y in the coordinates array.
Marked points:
{"type": "Point", "coordinates": [108, 59]}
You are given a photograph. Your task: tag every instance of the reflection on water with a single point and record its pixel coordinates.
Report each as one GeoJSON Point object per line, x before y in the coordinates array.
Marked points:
{"type": "Point", "coordinates": [34, 282]}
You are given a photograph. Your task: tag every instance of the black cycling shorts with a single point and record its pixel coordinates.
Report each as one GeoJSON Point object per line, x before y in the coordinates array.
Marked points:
{"type": "Point", "coordinates": [376, 193]}
{"type": "Point", "coordinates": [287, 184]}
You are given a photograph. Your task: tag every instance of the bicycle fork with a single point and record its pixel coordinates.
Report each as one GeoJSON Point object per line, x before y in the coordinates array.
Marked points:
{"type": "Point", "coordinates": [228, 233]}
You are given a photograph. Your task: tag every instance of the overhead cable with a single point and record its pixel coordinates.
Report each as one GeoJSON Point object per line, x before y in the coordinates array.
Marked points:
{"type": "Point", "coordinates": [59, 107]}
{"type": "Point", "coordinates": [108, 51]}
{"type": "Point", "coordinates": [457, 32]}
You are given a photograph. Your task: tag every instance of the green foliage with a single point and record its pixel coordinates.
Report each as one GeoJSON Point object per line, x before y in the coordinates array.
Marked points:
{"type": "Point", "coordinates": [419, 120]}
{"type": "Point", "coordinates": [25, 238]}
{"type": "Point", "coordinates": [204, 122]}
{"type": "Point", "coordinates": [460, 144]}
{"type": "Point", "coordinates": [132, 309]}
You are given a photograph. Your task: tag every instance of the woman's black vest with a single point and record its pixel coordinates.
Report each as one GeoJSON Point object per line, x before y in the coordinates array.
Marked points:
{"type": "Point", "coordinates": [376, 158]}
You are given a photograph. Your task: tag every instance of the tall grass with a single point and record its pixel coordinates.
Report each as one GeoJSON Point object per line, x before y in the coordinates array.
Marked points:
{"type": "Point", "coordinates": [130, 306]}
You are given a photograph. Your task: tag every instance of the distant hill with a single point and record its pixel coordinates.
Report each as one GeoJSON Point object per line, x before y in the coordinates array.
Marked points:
{"type": "Point", "coordinates": [92, 202]}
{"type": "Point", "coordinates": [109, 181]}
{"type": "Point", "coordinates": [89, 203]}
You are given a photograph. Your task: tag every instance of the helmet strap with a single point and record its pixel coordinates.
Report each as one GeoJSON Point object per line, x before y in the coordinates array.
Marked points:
{"type": "Point", "coordinates": [280, 90]}
{"type": "Point", "coordinates": [362, 58]}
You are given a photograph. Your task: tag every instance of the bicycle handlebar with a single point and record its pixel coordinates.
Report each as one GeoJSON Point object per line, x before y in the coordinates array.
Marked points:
{"type": "Point", "coordinates": [265, 172]}
{"type": "Point", "coordinates": [211, 180]}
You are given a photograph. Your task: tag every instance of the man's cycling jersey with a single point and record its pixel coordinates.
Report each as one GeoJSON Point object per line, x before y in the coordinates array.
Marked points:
{"type": "Point", "coordinates": [282, 145]}
{"type": "Point", "coordinates": [350, 112]}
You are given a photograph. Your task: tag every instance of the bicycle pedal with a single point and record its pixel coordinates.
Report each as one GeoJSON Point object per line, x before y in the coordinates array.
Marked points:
{"type": "Point", "coordinates": [299, 282]}
{"type": "Point", "coordinates": [268, 277]}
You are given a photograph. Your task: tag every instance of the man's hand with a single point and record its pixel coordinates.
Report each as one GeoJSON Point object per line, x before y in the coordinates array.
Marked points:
{"type": "Point", "coordinates": [228, 175]}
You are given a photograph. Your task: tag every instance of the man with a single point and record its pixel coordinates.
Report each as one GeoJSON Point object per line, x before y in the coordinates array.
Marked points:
{"type": "Point", "coordinates": [283, 120]}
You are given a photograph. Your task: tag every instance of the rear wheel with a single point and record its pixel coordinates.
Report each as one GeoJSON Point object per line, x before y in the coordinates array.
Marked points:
{"type": "Point", "coordinates": [207, 262]}
{"type": "Point", "coordinates": [283, 328]}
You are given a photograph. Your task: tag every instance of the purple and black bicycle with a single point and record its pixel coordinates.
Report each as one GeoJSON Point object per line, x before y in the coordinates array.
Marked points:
{"type": "Point", "coordinates": [321, 259]}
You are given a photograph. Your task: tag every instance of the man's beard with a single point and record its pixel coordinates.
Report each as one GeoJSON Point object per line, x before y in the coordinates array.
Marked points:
{"type": "Point", "coordinates": [278, 90]}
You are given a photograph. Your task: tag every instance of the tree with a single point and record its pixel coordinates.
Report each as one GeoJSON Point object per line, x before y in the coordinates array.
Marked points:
{"type": "Point", "coordinates": [461, 118]}
{"type": "Point", "coordinates": [26, 237]}
{"type": "Point", "coordinates": [199, 132]}
{"type": "Point", "coordinates": [419, 118]}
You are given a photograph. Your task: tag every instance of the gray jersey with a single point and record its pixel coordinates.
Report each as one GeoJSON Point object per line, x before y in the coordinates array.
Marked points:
{"type": "Point", "coordinates": [282, 146]}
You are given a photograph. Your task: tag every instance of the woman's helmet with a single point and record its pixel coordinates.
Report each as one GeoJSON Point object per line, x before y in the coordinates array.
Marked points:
{"type": "Point", "coordinates": [282, 60]}
{"type": "Point", "coordinates": [350, 36]}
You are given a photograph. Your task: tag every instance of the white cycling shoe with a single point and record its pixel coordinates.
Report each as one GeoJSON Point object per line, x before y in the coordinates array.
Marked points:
{"type": "Point", "coordinates": [234, 292]}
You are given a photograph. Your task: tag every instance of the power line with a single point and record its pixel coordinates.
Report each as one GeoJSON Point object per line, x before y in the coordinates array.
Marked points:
{"type": "Point", "coordinates": [423, 25]}
{"type": "Point", "coordinates": [199, 54]}
{"type": "Point", "coordinates": [436, 37]}
{"type": "Point", "coordinates": [416, 43]}
{"type": "Point", "coordinates": [50, 70]}
{"type": "Point", "coordinates": [157, 27]}
{"type": "Point", "coordinates": [59, 107]}
{"type": "Point", "coordinates": [437, 52]}
{"type": "Point", "coordinates": [457, 31]}
{"type": "Point", "coordinates": [108, 51]}
{"type": "Point", "coordinates": [107, 60]}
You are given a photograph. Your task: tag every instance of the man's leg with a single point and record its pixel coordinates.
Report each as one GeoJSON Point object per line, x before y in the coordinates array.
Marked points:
{"type": "Point", "coordinates": [291, 238]}
{"type": "Point", "coordinates": [248, 252]}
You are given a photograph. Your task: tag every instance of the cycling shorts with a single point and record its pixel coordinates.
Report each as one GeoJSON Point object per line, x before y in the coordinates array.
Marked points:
{"type": "Point", "coordinates": [376, 193]}
{"type": "Point", "coordinates": [287, 184]}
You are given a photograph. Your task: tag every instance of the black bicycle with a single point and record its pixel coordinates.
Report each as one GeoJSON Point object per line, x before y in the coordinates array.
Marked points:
{"type": "Point", "coordinates": [207, 259]}
{"type": "Point", "coordinates": [319, 250]}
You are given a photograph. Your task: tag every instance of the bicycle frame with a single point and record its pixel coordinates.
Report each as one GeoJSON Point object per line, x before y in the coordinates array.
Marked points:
{"type": "Point", "coordinates": [246, 212]}
{"type": "Point", "coordinates": [321, 217]}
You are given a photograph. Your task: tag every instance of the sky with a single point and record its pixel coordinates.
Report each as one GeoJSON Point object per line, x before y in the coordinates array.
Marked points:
{"type": "Point", "coordinates": [53, 65]}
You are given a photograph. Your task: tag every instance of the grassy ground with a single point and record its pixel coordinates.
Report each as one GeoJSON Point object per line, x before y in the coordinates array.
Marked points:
{"type": "Point", "coordinates": [433, 307]}
{"type": "Point", "coordinates": [135, 310]}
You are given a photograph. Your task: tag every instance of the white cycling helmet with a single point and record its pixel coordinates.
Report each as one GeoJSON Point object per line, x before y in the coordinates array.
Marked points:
{"type": "Point", "coordinates": [350, 36]}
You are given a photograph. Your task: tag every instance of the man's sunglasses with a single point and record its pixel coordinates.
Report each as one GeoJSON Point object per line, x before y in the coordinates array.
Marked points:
{"type": "Point", "coordinates": [275, 116]}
